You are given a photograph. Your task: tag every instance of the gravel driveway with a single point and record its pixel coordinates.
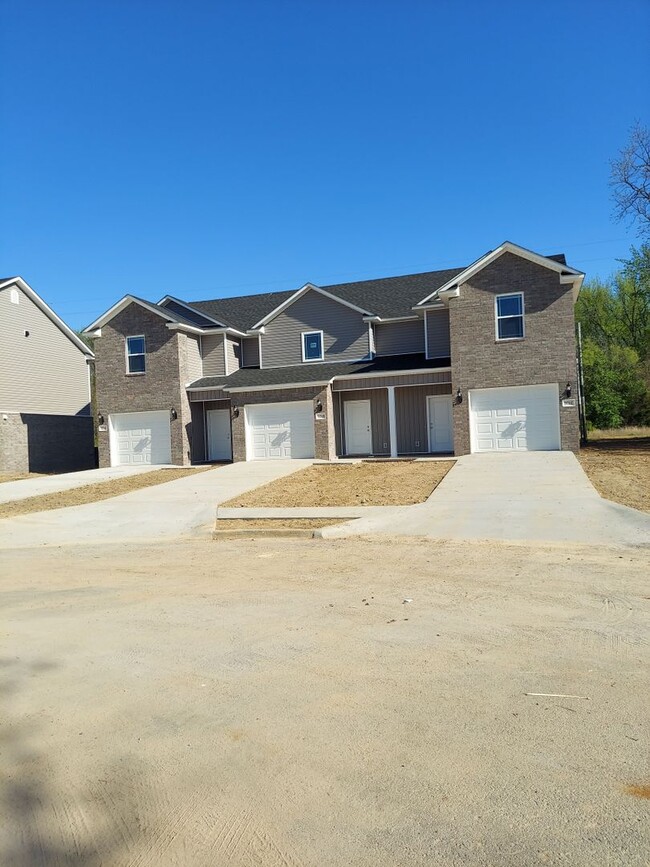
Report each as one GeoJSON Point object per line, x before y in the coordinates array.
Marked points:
{"type": "Point", "coordinates": [279, 703]}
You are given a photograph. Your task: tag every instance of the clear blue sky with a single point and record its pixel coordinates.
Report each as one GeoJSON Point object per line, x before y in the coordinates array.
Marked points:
{"type": "Point", "coordinates": [222, 148]}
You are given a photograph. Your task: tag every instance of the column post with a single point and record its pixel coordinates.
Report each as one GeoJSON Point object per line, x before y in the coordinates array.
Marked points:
{"type": "Point", "coordinates": [392, 420]}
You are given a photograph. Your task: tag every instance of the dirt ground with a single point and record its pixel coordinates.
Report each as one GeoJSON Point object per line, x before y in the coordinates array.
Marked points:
{"type": "Point", "coordinates": [619, 467]}
{"type": "Point", "coordinates": [275, 523]}
{"type": "Point", "coordinates": [280, 703]}
{"type": "Point", "coordinates": [95, 492]}
{"type": "Point", "coordinates": [16, 477]}
{"type": "Point", "coordinates": [368, 483]}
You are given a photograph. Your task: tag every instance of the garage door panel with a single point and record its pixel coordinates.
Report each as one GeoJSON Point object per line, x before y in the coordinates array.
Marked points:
{"type": "Point", "coordinates": [515, 419]}
{"type": "Point", "coordinates": [282, 430]}
{"type": "Point", "coordinates": [140, 438]}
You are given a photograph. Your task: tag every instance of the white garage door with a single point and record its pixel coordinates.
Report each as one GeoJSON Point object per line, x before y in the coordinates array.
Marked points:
{"type": "Point", "coordinates": [515, 419]}
{"type": "Point", "coordinates": [140, 438]}
{"type": "Point", "coordinates": [280, 430]}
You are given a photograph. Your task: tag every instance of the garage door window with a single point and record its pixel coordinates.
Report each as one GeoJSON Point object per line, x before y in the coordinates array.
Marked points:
{"type": "Point", "coordinates": [135, 353]}
{"type": "Point", "coordinates": [510, 316]}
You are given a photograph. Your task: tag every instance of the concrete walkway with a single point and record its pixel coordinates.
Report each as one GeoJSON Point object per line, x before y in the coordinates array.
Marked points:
{"type": "Point", "coordinates": [38, 485]}
{"type": "Point", "coordinates": [532, 496]}
{"type": "Point", "coordinates": [184, 507]}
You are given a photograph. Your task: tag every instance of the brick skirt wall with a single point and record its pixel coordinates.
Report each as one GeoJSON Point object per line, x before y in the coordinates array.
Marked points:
{"type": "Point", "coordinates": [31, 443]}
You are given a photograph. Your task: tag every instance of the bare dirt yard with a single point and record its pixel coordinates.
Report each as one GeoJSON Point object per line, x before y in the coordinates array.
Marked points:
{"type": "Point", "coordinates": [280, 703]}
{"type": "Point", "coordinates": [368, 483]}
{"type": "Point", "coordinates": [95, 492]}
{"type": "Point", "coordinates": [618, 465]}
{"type": "Point", "coordinates": [16, 477]}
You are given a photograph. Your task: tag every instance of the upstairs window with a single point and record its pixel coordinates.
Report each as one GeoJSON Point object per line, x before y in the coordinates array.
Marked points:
{"type": "Point", "coordinates": [135, 353]}
{"type": "Point", "coordinates": [312, 345]}
{"type": "Point", "coordinates": [510, 316]}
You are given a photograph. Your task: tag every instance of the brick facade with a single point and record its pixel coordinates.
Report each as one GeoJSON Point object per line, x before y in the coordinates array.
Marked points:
{"type": "Point", "coordinates": [161, 387]}
{"type": "Point", "coordinates": [547, 354]}
{"type": "Point", "coordinates": [38, 443]}
{"type": "Point", "coordinates": [323, 428]}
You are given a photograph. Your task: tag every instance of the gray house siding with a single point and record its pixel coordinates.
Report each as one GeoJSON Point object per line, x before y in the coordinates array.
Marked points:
{"type": "Point", "coordinates": [213, 357]}
{"type": "Point", "coordinates": [411, 412]}
{"type": "Point", "coordinates": [193, 363]}
{"type": "Point", "coordinates": [438, 342]}
{"type": "Point", "coordinates": [378, 398]}
{"type": "Point", "coordinates": [41, 372]}
{"type": "Point", "coordinates": [399, 338]}
{"type": "Point", "coordinates": [233, 350]}
{"type": "Point", "coordinates": [250, 352]}
{"type": "Point", "coordinates": [345, 334]}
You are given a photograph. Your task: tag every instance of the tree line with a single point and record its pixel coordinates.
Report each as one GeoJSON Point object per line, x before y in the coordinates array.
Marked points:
{"type": "Point", "coordinates": [614, 315]}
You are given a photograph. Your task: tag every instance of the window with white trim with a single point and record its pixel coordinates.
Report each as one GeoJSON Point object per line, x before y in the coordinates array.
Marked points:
{"type": "Point", "coordinates": [510, 316]}
{"type": "Point", "coordinates": [312, 345]}
{"type": "Point", "coordinates": [135, 353]}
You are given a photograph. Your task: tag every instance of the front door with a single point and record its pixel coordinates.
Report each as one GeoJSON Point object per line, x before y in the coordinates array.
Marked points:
{"type": "Point", "coordinates": [219, 438]}
{"type": "Point", "coordinates": [358, 429]}
{"type": "Point", "coordinates": [439, 415]}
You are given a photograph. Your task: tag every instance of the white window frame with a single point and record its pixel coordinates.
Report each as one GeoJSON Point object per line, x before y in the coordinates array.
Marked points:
{"type": "Point", "coordinates": [304, 334]}
{"type": "Point", "coordinates": [128, 354]}
{"type": "Point", "coordinates": [498, 317]}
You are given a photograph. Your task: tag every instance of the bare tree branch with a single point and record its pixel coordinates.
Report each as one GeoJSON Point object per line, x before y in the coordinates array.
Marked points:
{"type": "Point", "coordinates": [630, 180]}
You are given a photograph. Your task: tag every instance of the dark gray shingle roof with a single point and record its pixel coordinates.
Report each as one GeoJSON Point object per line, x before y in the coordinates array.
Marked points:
{"type": "Point", "coordinates": [385, 297]}
{"type": "Point", "coordinates": [251, 377]}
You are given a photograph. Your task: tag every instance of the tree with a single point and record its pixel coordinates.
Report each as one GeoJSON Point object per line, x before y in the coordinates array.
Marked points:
{"type": "Point", "coordinates": [630, 180]}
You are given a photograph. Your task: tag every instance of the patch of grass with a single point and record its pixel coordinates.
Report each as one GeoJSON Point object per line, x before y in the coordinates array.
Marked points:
{"type": "Point", "coordinates": [398, 483]}
{"type": "Point", "coordinates": [93, 493]}
{"type": "Point", "coordinates": [628, 433]}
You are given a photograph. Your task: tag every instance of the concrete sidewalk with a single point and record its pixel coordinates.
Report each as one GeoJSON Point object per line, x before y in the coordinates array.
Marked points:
{"type": "Point", "coordinates": [529, 496]}
{"type": "Point", "coordinates": [184, 507]}
{"type": "Point", "coordinates": [36, 486]}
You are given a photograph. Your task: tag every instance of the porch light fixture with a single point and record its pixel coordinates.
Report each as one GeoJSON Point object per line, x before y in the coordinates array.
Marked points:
{"type": "Point", "coordinates": [319, 406]}
{"type": "Point", "coordinates": [567, 390]}
{"type": "Point", "coordinates": [235, 412]}
{"type": "Point", "coordinates": [459, 396]}
{"type": "Point", "coordinates": [100, 419]}
{"type": "Point", "coordinates": [173, 414]}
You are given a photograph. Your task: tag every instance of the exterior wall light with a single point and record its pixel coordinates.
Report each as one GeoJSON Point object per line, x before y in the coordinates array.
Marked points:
{"type": "Point", "coordinates": [173, 414]}
{"type": "Point", "coordinates": [100, 419]}
{"type": "Point", "coordinates": [567, 390]}
{"type": "Point", "coordinates": [319, 406]}
{"type": "Point", "coordinates": [459, 396]}
{"type": "Point", "coordinates": [235, 412]}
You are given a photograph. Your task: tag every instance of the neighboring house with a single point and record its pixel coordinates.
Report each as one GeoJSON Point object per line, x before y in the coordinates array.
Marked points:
{"type": "Point", "coordinates": [46, 424]}
{"type": "Point", "coordinates": [471, 359]}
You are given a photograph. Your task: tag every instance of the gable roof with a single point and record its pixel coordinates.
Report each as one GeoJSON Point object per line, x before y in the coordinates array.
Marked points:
{"type": "Point", "coordinates": [47, 310]}
{"type": "Point", "coordinates": [554, 263]}
{"type": "Point", "coordinates": [386, 297]}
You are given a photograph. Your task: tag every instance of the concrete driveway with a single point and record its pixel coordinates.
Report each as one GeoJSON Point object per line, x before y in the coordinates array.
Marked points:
{"type": "Point", "coordinates": [184, 507]}
{"type": "Point", "coordinates": [39, 485]}
{"type": "Point", "coordinates": [530, 496]}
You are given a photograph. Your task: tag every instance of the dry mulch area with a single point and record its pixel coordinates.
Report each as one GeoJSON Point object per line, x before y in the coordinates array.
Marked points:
{"type": "Point", "coordinates": [369, 483]}
{"type": "Point", "coordinates": [276, 523]}
{"type": "Point", "coordinates": [619, 468]}
{"type": "Point", "coordinates": [93, 493]}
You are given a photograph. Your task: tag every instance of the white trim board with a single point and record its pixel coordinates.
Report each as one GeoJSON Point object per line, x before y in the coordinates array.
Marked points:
{"type": "Point", "coordinates": [308, 287]}
{"type": "Point", "coordinates": [573, 276]}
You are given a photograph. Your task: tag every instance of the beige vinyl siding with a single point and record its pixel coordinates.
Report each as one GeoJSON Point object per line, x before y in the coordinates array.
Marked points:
{"type": "Point", "coordinates": [438, 343]}
{"type": "Point", "coordinates": [378, 418]}
{"type": "Point", "coordinates": [213, 357]}
{"type": "Point", "coordinates": [345, 334]}
{"type": "Point", "coordinates": [44, 372]}
{"type": "Point", "coordinates": [411, 413]}
{"type": "Point", "coordinates": [399, 338]}
{"type": "Point", "coordinates": [250, 352]}
{"type": "Point", "coordinates": [233, 349]}
{"type": "Point", "coordinates": [193, 362]}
